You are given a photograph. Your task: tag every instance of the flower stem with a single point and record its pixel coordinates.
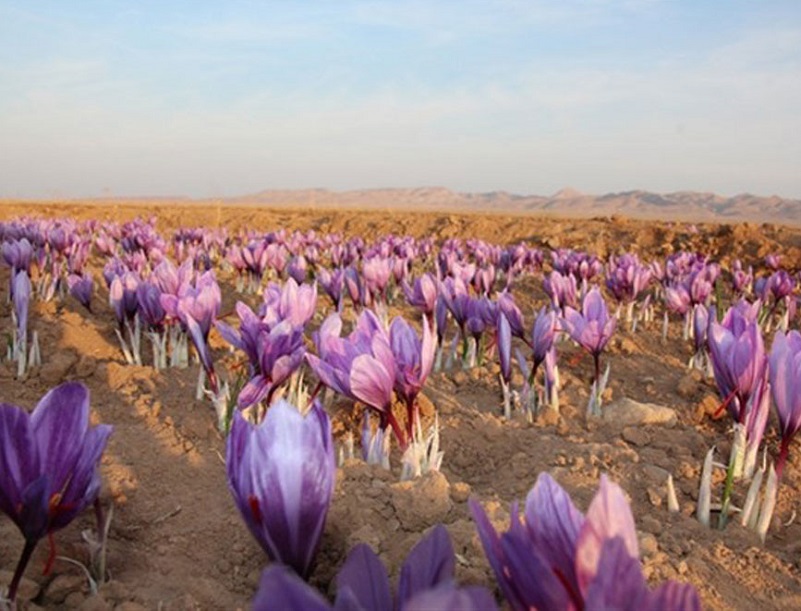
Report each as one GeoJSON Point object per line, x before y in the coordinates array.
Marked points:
{"type": "Point", "coordinates": [784, 450]}
{"type": "Point", "coordinates": [27, 552]}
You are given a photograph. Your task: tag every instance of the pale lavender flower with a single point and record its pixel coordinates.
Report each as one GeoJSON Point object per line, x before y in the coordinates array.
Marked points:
{"type": "Point", "coordinates": [281, 473]}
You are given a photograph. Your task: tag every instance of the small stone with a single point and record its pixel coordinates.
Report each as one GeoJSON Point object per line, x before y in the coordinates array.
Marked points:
{"type": "Point", "coordinates": [648, 545]}
{"type": "Point", "coordinates": [627, 412]}
{"type": "Point", "coordinates": [460, 492]}
{"type": "Point", "coordinates": [636, 436]}
{"type": "Point", "coordinates": [94, 603]}
{"type": "Point", "coordinates": [709, 407]}
{"type": "Point", "coordinates": [62, 586]}
{"type": "Point", "coordinates": [627, 346]}
{"type": "Point", "coordinates": [687, 387]}
{"type": "Point", "coordinates": [654, 497]}
{"type": "Point", "coordinates": [74, 600]}
{"type": "Point", "coordinates": [57, 365]}
{"type": "Point", "coordinates": [651, 525]}
{"type": "Point", "coordinates": [86, 366]}
{"type": "Point", "coordinates": [656, 475]}
{"type": "Point", "coordinates": [459, 378]}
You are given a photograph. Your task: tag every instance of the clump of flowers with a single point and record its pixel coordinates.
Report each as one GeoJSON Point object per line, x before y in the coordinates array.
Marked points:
{"type": "Point", "coordinates": [561, 559]}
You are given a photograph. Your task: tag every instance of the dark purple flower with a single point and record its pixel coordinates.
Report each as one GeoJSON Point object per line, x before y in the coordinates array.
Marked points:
{"type": "Point", "coordinates": [48, 464]}
{"type": "Point", "coordinates": [333, 282]}
{"type": "Point", "coordinates": [785, 383]}
{"type": "Point", "coordinates": [560, 559]}
{"type": "Point", "coordinates": [543, 333]}
{"type": "Point", "coordinates": [738, 361]}
{"type": "Point", "coordinates": [506, 304]}
{"type": "Point", "coordinates": [414, 359]}
{"type": "Point", "coordinates": [18, 254]}
{"type": "Point", "coordinates": [281, 474]}
{"type": "Point", "coordinates": [81, 287]}
{"type": "Point", "coordinates": [279, 353]}
{"type": "Point", "coordinates": [504, 341]}
{"type": "Point", "coordinates": [22, 300]}
{"type": "Point", "coordinates": [298, 268]}
{"type": "Point", "coordinates": [148, 295]}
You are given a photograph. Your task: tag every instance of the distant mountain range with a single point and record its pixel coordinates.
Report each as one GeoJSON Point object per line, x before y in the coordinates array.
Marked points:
{"type": "Point", "coordinates": [678, 206]}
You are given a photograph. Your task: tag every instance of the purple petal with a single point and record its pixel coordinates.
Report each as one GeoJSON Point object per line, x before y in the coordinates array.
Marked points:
{"type": "Point", "coordinates": [19, 457]}
{"type": "Point", "coordinates": [370, 382]}
{"type": "Point", "coordinates": [59, 423]}
{"type": "Point", "coordinates": [618, 583]}
{"type": "Point", "coordinates": [430, 563]}
{"type": "Point", "coordinates": [446, 597]}
{"type": "Point", "coordinates": [365, 578]}
{"type": "Point", "coordinates": [281, 588]}
{"type": "Point", "coordinates": [608, 516]}
{"type": "Point", "coordinates": [554, 524]}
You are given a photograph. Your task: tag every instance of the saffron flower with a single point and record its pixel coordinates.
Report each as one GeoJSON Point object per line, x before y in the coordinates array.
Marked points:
{"type": "Point", "coordinates": [414, 359]}
{"type": "Point", "coordinates": [561, 559]}
{"type": "Point", "coordinates": [785, 382]}
{"type": "Point", "coordinates": [48, 465]}
{"type": "Point", "coordinates": [591, 328]}
{"type": "Point", "coordinates": [281, 474]}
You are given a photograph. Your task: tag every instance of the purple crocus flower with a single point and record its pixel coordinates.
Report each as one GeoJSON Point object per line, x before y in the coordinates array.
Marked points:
{"type": "Point", "coordinates": [122, 297]}
{"type": "Point", "coordinates": [561, 559]}
{"type": "Point", "coordinates": [279, 353]}
{"type": "Point", "coordinates": [48, 465]}
{"type": "Point", "coordinates": [293, 302]}
{"type": "Point", "coordinates": [543, 333]}
{"type": "Point", "coordinates": [785, 383]}
{"type": "Point", "coordinates": [376, 273]}
{"type": "Point", "coordinates": [22, 301]}
{"type": "Point", "coordinates": [362, 366]}
{"type": "Point", "coordinates": [426, 582]}
{"type": "Point", "coordinates": [81, 287]}
{"type": "Point", "coordinates": [333, 282]}
{"type": "Point", "coordinates": [281, 474]}
{"type": "Point", "coordinates": [738, 361]}
{"type": "Point", "coordinates": [423, 294]}
{"type": "Point", "coordinates": [298, 268]}
{"type": "Point", "coordinates": [414, 359]}
{"type": "Point", "coordinates": [561, 289]}
{"type": "Point", "coordinates": [592, 327]}
{"type": "Point", "coordinates": [506, 304]}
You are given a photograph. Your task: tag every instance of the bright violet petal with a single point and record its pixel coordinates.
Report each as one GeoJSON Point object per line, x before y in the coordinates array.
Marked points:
{"type": "Point", "coordinates": [554, 523]}
{"type": "Point", "coordinates": [19, 457]}
{"type": "Point", "coordinates": [618, 582]}
{"type": "Point", "coordinates": [59, 423]}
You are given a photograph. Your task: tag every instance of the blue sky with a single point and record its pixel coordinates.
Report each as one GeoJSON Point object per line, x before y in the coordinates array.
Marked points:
{"type": "Point", "coordinates": [210, 99]}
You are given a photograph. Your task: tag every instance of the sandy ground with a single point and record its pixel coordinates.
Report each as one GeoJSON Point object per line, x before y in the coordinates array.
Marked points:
{"type": "Point", "coordinates": [177, 542]}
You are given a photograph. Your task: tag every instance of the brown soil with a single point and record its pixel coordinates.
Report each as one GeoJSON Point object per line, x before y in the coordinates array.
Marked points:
{"type": "Point", "coordinates": [177, 541]}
